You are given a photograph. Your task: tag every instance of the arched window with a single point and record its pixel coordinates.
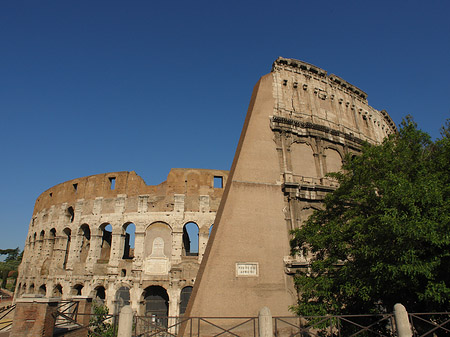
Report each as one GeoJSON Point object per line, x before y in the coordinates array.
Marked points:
{"type": "Point", "coordinates": [106, 229]}
{"type": "Point", "coordinates": [31, 291]}
{"type": "Point", "coordinates": [52, 239]}
{"type": "Point", "coordinates": [42, 290]}
{"type": "Point", "coordinates": [76, 290]}
{"type": "Point", "coordinates": [85, 233]}
{"type": "Point", "coordinates": [67, 232]}
{"type": "Point", "coordinates": [100, 293]}
{"type": "Point", "coordinates": [184, 299]}
{"type": "Point", "coordinates": [57, 291]}
{"type": "Point", "coordinates": [70, 214]}
{"type": "Point", "coordinates": [41, 243]}
{"type": "Point", "coordinates": [157, 304]}
{"type": "Point", "coordinates": [162, 231]}
{"type": "Point", "coordinates": [190, 239]}
{"type": "Point", "coordinates": [122, 298]}
{"type": "Point", "coordinates": [210, 230]}
{"type": "Point", "coordinates": [128, 250]}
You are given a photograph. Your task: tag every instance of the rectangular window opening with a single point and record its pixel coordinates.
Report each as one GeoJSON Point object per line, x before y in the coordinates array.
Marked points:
{"type": "Point", "coordinates": [112, 181]}
{"type": "Point", "coordinates": [218, 182]}
{"type": "Point", "coordinates": [50, 194]}
{"type": "Point", "coordinates": [75, 187]}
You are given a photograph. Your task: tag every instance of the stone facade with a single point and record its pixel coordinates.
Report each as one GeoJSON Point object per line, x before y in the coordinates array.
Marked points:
{"type": "Point", "coordinates": [79, 237]}
{"type": "Point", "coordinates": [300, 124]}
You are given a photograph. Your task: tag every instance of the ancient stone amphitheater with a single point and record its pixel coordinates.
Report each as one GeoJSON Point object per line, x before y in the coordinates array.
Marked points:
{"type": "Point", "coordinates": [79, 239]}
{"type": "Point", "coordinates": [300, 124]}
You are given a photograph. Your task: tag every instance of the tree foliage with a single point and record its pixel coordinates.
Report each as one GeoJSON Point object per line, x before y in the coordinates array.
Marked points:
{"type": "Point", "coordinates": [100, 323]}
{"type": "Point", "coordinates": [10, 264]}
{"type": "Point", "coordinates": [383, 236]}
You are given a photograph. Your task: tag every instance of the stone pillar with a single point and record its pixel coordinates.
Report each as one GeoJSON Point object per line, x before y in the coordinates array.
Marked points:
{"type": "Point", "coordinates": [402, 321]}
{"type": "Point", "coordinates": [34, 316]}
{"type": "Point", "coordinates": [125, 322]}
{"type": "Point", "coordinates": [265, 322]}
{"type": "Point", "coordinates": [117, 243]}
{"type": "Point", "coordinates": [75, 248]}
{"type": "Point", "coordinates": [174, 307]}
{"type": "Point", "coordinates": [139, 237]}
{"type": "Point", "coordinates": [94, 251]}
{"type": "Point", "coordinates": [203, 236]}
{"type": "Point", "coordinates": [84, 309]}
{"type": "Point", "coordinates": [177, 245]}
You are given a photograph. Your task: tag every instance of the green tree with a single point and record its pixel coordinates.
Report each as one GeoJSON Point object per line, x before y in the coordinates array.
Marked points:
{"type": "Point", "coordinates": [99, 323]}
{"type": "Point", "coordinates": [383, 236]}
{"type": "Point", "coordinates": [11, 264]}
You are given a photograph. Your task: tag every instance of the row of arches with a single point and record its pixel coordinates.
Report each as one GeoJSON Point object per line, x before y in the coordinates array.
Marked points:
{"type": "Point", "coordinates": [154, 299]}
{"type": "Point", "coordinates": [97, 242]}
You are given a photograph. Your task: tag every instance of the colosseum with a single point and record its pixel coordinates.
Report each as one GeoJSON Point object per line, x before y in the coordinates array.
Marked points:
{"type": "Point", "coordinates": [300, 124]}
{"type": "Point", "coordinates": [80, 239]}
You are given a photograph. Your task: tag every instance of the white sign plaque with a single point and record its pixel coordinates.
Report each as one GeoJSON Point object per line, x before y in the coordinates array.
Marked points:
{"type": "Point", "coordinates": [247, 269]}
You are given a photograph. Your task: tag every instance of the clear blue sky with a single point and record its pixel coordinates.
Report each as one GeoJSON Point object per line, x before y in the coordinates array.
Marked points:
{"type": "Point", "coordinates": [89, 87]}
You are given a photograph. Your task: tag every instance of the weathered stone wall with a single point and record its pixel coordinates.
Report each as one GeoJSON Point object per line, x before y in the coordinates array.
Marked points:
{"type": "Point", "coordinates": [77, 241]}
{"type": "Point", "coordinates": [300, 124]}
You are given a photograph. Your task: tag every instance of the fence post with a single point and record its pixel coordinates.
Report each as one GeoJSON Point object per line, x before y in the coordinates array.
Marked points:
{"type": "Point", "coordinates": [265, 322]}
{"type": "Point", "coordinates": [402, 321]}
{"type": "Point", "coordinates": [125, 322]}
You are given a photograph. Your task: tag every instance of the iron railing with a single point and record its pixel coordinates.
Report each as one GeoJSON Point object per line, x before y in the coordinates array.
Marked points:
{"type": "Point", "coordinates": [149, 326]}
{"type": "Point", "coordinates": [430, 324]}
{"type": "Point", "coordinates": [335, 326]}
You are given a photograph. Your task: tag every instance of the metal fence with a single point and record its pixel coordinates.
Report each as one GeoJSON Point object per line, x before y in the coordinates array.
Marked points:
{"type": "Point", "coordinates": [147, 326]}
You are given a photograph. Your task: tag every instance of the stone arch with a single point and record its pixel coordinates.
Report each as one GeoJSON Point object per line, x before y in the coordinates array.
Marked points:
{"type": "Point", "coordinates": [106, 243]}
{"type": "Point", "coordinates": [302, 160]}
{"type": "Point", "coordinates": [158, 230]}
{"type": "Point", "coordinates": [57, 291]}
{"type": "Point", "coordinates": [77, 289]}
{"type": "Point", "coordinates": [31, 289]}
{"type": "Point", "coordinates": [70, 214]}
{"type": "Point", "coordinates": [41, 242]}
{"type": "Point", "coordinates": [42, 290]}
{"type": "Point", "coordinates": [184, 298]}
{"type": "Point", "coordinates": [122, 297]}
{"type": "Point", "coordinates": [99, 293]}
{"type": "Point", "coordinates": [85, 235]}
{"type": "Point", "coordinates": [333, 159]}
{"type": "Point", "coordinates": [210, 230]}
{"type": "Point", "coordinates": [129, 229]}
{"type": "Point", "coordinates": [156, 302]}
{"type": "Point", "coordinates": [190, 239]}
{"type": "Point", "coordinates": [67, 232]}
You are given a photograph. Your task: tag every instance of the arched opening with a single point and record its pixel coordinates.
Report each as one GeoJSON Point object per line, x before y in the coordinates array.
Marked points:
{"type": "Point", "coordinates": [210, 230]}
{"type": "Point", "coordinates": [100, 294]}
{"type": "Point", "coordinates": [41, 243]}
{"type": "Point", "coordinates": [128, 249]}
{"type": "Point", "coordinates": [57, 291]}
{"type": "Point", "coordinates": [161, 233]}
{"type": "Point", "coordinates": [52, 239]}
{"type": "Point", "coordinates": [85, 233]}
{"type": "Point", "coordinates": [106, 229]}
{"type": "Point", "coordinates": [333, 160]}
{"type": "Point", "coordinates": [157, 304]}
{"type": "Point", "coordinates": [70, 214]}
{"type": "Point", "coordinates": [42, 290]}
{"type": "Point", "coordinates": [190, 239]}
{"type": "Point", "coordinates": [122, 298]}
{"type": "Point", "coordinates": [24, 289]}
{"type": "Point", "coordinates": [76, 289]}
{"type": "Point", "coordinates": [34, 241]}
{"type": "Point", "coordinates": [302, 160]}
{"type": "Point", "coordinates": [184, 298]}
{"type": "Point", "coordinates": [68, 233]}
{"type": "Point", "coordinates": [31, 291]}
